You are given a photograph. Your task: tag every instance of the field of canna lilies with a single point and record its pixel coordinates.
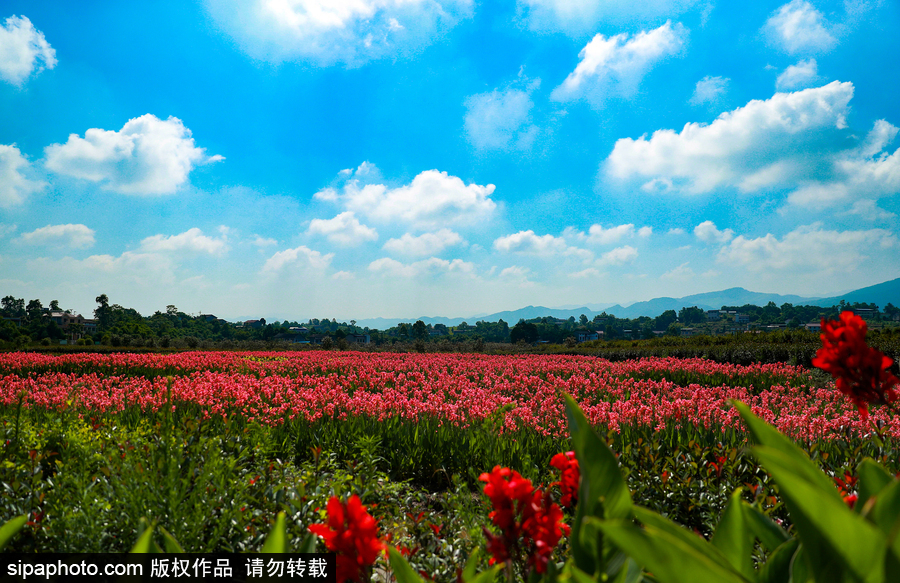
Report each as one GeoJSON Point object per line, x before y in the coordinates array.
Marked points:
{"type": "Point", "coordinates": [208, 447]}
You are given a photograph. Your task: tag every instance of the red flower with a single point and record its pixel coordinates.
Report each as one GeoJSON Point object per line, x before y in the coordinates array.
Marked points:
{"type": "Point", "coordinates": [521, 512]}
{"type": "Point", "coordinates": [353, 534]}
{"type": "Point", "coordinates": [571, 477]}
{"type": "Point", "coordinates": [860, 372]}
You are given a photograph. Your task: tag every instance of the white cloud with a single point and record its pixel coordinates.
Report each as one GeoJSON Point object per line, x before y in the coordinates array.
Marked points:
{"type": "Point", "coordinates": [432, 199]}
{"type": "Point", "coordinates": [771, 143]}
{"type": "Point", "coordinates": [433, 265]}
{"type": "Point", "coordinates": [424, 244]}
{"type": "Point", "coordinates": [863, 172]}
{"type": "Point", "coordinates": [709, 89]}
{"type": "Point", "coordinates": [797, 27]}
{"type": "Point", "coordinates": [586, 273]}
{"type": "Point", "coordinates": [193, 240]}
{"type": "Point", "coordinates": [675, 231]}
{"type": "Point", "coordinates": [616, 65]}
{"type": "Point", "coordinates": [807, 248]}
{"type": "Point", "coordinates": [575, 17]}
{"type": "Point", "coordinates": [527, 243]}
{"type": "Point", "coordinates": [147, 156]}
{"type": "Point", "coordinates": [517, 275]}
{"type": "Point", "coordinates": [14, 186]}
{"type": "Point", "coordinates": [708, 233]}
{"type": "Point", "coordinates": [147, 270]}
{"type": "Point", "coordinates": [326, 32]}
{"type": "Point", "coordinates": [803, 74]}
{"type": "Point", "coordinates": [618, 256]}
{"type": "Point", "coordinates": [869, 210]}
{"type": "Point", "coordinates": [344, 229]}
{"type": "Point", "coordinates": [23, 51]}
{"type": "Point", "coordinates": [72, 236]}
{"type": "Point", "coordinates": [500, 120]}
{"type": "Point", "coordinates": [300, 257]}
{"type": "Point", "coordinates": [264, 241]}
{"type": "Point", "coordinates": [680, 273]}
{"type": "Point", "coordinates": [597, 235]}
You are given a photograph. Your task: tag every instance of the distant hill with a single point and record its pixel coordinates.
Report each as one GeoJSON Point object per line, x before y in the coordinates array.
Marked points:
{"type": "Point", "coordinates": [880, 294]}
{"type": "Point", "coordinates": [736, 296]}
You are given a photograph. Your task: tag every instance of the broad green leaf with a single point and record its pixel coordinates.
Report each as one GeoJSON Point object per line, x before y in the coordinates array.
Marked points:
{"type": "Point", "coordinates": [309, 544]}
{"type": "Point", "coordinates": [144, 542]}
{"type": "Point", "coordinates": [169, 542]}
{"type": "Point", "coordinates": [800, 571]}
{"type": "Point", "coordinates": [837, 540]}
{"type": "Point", "coordinates": [687, 537]}
{"type": "Point", "coordinates": [734, 537]}
{"type": "Point", "coordinates": [872, 480]}
{"type": "Point", "coordinates": [764, 528]}
{"type": "Point", "coordinates": [471, 565]}
{"type": "Point", "coordinates": [11, 528]}
{"type": "Point", "coordinates": [276, 542]}
{"type": "Point", "coordinates": [603, 492]}
{"type": "Point", "coordinates": [777, 568]}
{"type": "Point", "coordinates": [667, 557]}
{"type": "Point", "coordinates": [766, 435]}
{"type": "Point", "coordinates": [402, 571]}
{"type": "Point", "coordinates": [572, 574]}
{"type": "Point", "coordinates": [887, 507]}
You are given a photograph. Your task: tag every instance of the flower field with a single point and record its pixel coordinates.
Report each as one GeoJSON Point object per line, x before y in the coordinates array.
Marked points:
{"type": "Point", "coordinates": [142, 438]}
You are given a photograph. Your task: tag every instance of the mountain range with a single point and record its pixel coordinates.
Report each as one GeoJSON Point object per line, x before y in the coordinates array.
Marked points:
{"type": "Point", "coordinates": [880, 294]}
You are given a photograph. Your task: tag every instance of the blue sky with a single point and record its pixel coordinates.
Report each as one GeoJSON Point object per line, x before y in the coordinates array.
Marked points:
{"type": "Point", "coordinates": [400, 158]}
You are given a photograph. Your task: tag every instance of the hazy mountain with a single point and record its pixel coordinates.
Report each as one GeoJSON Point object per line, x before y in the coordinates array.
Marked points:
{"type": "Point", "coordinates": [880, 294]}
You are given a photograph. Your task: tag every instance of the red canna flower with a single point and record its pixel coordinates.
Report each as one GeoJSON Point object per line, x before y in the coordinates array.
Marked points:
{"type": "Point", "coordinates": [860, 372]}
{"type": "Point", "coordinates": [351, 533]}
{"type": "Point", "coordinates": [527, 519]}
{"type": "Point", "coordinates": [571, 477]}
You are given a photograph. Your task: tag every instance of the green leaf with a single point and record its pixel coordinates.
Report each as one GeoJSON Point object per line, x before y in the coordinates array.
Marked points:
{"type": "Point", "coordinates": [11, 528]}
{"type": "Point", "coordinates": [764, 528]}
{"type": "Point", "coordinates": [402, 571]}
{"type": "Point", "coordinates": [472, 564]}
{"type": "Point", "coordinates": [145, 542]}
{"type": "Point", "coordinates": [872, 480]}
{"type": "Point", "coordinates": [169, 542]}
{"type": "Point", "coordinates": [603, 492]}
{"type": "Point", "coordinates": [734, 537]}
{"type": "Point", "coordinates": [778, 564]}
{"type": "Point", "coordinates": [687, 537]}
{"type": "Point", "coordinates": [668, 557]}
{"type": "Point", "coordinates": [276, 542]}
{"type": "Point", "coordinates": [764, 434]}
{"type": "Point", "coordinates": [309, 544]}
{"type": "Point", "coordinates": [837, 540]}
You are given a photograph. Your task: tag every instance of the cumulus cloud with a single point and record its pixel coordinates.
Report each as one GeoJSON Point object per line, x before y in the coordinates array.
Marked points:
{"type": "Point", "coordinates": [501, 120]}
{"type": "Point", "coordinates": [433, 265]}
{"type": "Point", "coordinates": [424, 244]}
{"type": "Point", "coordinates": [71, 236]}
{"type": "Point", "coordinates": [778, 142]}
{"type": "Point", "coordinates": [527, 243]}
{"type": "Point", "coordinates": [191, 241]}
{"type": "Point", "coordinates": [863, 172]}
{"type": "Point", "coordinates": [803, 74]}
{"type": "Point", "coordinates": [798, 28]}
{"type": "Point", "coordinates": [299, 257]}
{"type": "Point", "coordinates": [708, 233]}
{"type": "Point", "coordinates": [148, 156]}
{"type": "Point", "coordinates": [597, 235]}
{"type": "Point", "coordinates": [261, 242]}
{"type": "Point", "coordinates": [344, 229]}
{"type": "Point", "coordinates": [680, 273]}
{"type": "Point", "coordinates": [618, 256]}
{"type": "Point", "coordinates": [432, 199]}
{"type": "Point", "coordinates": [709, 90]}
{"type": "Point", "coordinates": [869, 210]}
{"type": "Point", "coordinates": [326, 32]}
{"type": "Point", "coordinates": [575, 17]}
{"type": "Point", "coordinates": [616, 65]}
{"type": "Point", "coordinates": [14, 186]}
{"type": "Point", "coordinates": [807, 248]}
{"type": "Point", "coordinates": [23, 51]}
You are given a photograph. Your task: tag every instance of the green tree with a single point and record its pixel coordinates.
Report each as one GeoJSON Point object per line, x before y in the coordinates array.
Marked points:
{"type": "Point", "coordinates": [103, 313]}
{"type": "Point", "coordinates": [525, 331]}
{"type": "Point", "coordinates": [419, 330]}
